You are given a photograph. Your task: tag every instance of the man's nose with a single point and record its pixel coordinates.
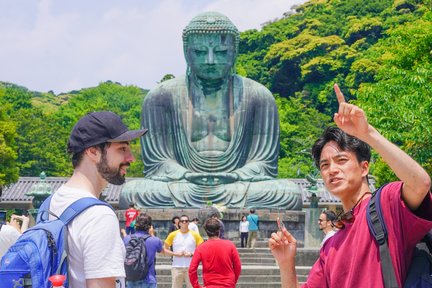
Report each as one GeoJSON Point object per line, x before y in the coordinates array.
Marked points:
{"type": "Point", "coordinates": [130, 157]}
{"type": "Point", "coordinates": [333, 167]}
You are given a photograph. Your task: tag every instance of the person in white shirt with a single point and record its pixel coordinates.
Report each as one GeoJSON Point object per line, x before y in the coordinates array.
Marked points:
{"type": "Point", "coordinates": [10, 232]}
{"type": "Point", "coordinates": [183, 242]}
{"type": "Point", "coordinates": [325, 224]}
{"type": "Point", "coordinates": [193, 225]}
{"type": "Point", "coordinates": [99, 145]}
{"type": "Point", "coordinates": [244, 231]}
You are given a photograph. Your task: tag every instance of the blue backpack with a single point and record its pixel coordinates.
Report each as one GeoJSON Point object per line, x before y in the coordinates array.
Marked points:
{"type": "Point", "coordinates": [41, 251]}
{"type": "Point", "coordinates": [419, 274]}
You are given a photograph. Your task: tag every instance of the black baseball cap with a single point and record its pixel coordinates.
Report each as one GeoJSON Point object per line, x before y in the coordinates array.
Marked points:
{"type": "Point", "coordinates": [100, 127]}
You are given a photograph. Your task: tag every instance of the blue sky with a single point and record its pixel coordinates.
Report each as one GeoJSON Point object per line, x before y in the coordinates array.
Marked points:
{"type": "Point", "coordinates": [67, 45]}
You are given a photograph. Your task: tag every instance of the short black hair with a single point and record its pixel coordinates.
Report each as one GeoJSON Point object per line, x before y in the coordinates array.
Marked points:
{"type": "Point", "coordinates": [252, 211]}
{"type": "Point", "coordinates": [212, 227]}
{"type": "Point", "coordinates": [330, 215]}
{"type": "Point", "coordinates": [174, 218]}
{"type": "Point", "coordinates": [77, 157]}
{"type": "Point", "coordinates": [345, 141]}
{"type": "Point", "coordinates": [143, 222]}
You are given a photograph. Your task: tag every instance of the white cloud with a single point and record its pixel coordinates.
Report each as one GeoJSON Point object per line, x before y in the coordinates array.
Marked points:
{"type": "Point", "coordinates": [53, 45]}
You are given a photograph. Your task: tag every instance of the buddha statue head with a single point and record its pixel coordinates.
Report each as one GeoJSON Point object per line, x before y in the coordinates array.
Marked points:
{"type": "Point", "coordinates": [210, 45]}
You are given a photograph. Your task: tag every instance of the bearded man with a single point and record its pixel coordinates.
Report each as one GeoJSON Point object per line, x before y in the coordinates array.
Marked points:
{"type": "Point", "coordinates": [99, 144]}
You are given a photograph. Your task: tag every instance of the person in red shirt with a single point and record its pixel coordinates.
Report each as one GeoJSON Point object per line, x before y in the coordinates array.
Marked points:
{"type": "Point", "coordinates": [131, 214]}
{"type": "Point", "coordinates": [220, 260]}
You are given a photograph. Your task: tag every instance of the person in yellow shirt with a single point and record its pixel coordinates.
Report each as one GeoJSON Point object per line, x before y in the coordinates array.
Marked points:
{"type": "Point", "coordinates": [183, 241]}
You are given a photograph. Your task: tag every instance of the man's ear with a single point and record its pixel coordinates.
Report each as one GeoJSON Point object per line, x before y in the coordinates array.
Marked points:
{"type": "Point", "coordinates": [365, 168]}
{"type": "Point", "coordinates": [93, 153]}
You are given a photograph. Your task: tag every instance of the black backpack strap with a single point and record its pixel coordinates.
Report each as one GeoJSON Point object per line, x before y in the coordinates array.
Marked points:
{"type": "Point", "coordinates": [145, 237]}
{"type": "Point", "coordinates": [378, 230]}
{"type": "Point", "coordinates": [428, 240]}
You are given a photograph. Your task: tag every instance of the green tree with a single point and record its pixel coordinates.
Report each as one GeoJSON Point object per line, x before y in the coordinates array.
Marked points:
{"type": "Point", "coordinates": [300, 126]}
{"type": "Point", "coordinates": [399, 102]}
{"type": "Point", "coordinates": [125, 101]}
{"type": "Point", "coordinates": [8, 155]}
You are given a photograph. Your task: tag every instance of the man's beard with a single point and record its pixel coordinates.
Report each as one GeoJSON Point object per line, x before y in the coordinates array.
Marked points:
{"type": "Point", "coordinates": [112, 175]}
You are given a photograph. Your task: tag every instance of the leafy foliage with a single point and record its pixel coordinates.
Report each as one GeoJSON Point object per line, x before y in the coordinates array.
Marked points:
{"type": "Point", "coordinates": [378, 51]}
{"type": "Point", "coordinates": [300, 126]}
{"type": "Point", "coordinates": [8, 155]}
{"type": "Point", "coordinates": [371, 49]}
{"type": "Point", "coordinates": [44, 123]}
{"type": "Point", "coordinates": [400, 99]}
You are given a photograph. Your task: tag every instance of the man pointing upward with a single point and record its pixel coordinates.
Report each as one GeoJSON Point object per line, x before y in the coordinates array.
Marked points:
{"type": "Point", "coordinates": [349, 258]}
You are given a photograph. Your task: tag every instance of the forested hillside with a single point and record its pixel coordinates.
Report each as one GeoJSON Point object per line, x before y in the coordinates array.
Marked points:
{"type": "Point", "coordinates": [379, 51]}
{"type": "Point", "coordinates": [37, 125]}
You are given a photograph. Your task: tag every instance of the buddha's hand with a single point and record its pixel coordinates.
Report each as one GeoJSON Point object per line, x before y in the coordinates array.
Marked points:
{"type": "Point", "coordinates": [258, 178]}
{"type": "Point", "coordinates": [161, 178]}
{"type": "Point", "coordinates": [211, 179]}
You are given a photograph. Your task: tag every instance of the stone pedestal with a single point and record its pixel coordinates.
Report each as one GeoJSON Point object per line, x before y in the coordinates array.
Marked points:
{"type": "Point", "coordinates": [293, 220]}
{"type": "Point", "coordinates": [313, 236]}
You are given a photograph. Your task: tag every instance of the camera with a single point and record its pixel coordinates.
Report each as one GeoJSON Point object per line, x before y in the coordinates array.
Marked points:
{"type": "Point", "coordinates": [2, 217]}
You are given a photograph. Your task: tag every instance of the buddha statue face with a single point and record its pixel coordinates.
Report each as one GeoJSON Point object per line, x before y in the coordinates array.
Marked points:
{"type": "Point", "coordinates": [210, 56]}
{"type": "Point", "coordinates": [210, 43]}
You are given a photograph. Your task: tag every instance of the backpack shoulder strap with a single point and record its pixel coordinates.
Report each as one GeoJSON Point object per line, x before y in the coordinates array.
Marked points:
{"type": "Point", "coordinates": [145, 237]}
{"type": "Point", "coordinates": [43, 213]}
{"type": "Point", "coordinates": [78, 206]}
{"type": "Point", "coordinates": [378, 229]}
{"type": "Point", "coordinates": [428, 241]}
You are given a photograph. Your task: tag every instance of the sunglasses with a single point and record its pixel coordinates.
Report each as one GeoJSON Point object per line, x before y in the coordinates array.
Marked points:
{"type": "Point", "coordinates": [347, 217]}
{"type": "Point", "coordinates": [184, 221]}
{"type": "Point", "coordinates": [342, 218]}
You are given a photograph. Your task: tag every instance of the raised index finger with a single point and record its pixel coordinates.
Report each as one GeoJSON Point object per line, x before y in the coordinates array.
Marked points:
{"type": "Point", "coordinates": [339, 95]}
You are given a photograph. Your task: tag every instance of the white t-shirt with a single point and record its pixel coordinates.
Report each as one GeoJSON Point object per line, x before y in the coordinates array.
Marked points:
{"type": "Point", "coordinates": [8, 236]}
{"type": "Point", "coordinates": [96, 249]}
{"type": "Point", "coordinates": [192, 226]}
{"type": "Point", "coordinates": [327, 236]}
{"type": "Point", "coordinates": [244, 226]}
{"type": "Point", "coordinates": [183, 242]}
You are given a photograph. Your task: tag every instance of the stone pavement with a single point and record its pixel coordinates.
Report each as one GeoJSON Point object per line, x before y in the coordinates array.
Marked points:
{"type": "Point", "coordinates": [259, 269]}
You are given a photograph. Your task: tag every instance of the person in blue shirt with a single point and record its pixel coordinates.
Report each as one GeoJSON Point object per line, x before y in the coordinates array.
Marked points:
{"type": "Point", "coordinates": [143, 226]}
{"type": "Point", "coordinates": [253, 228]}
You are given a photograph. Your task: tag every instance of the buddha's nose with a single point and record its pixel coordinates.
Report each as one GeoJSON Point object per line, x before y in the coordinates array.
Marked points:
{"type": "Point", "coordinates": [210, 57]}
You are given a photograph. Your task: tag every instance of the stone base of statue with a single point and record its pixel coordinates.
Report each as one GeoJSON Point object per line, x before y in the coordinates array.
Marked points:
{"type": "Point", "coordinates": [148, 193]}
{"type": "Point", "coordinates": [294, 221]}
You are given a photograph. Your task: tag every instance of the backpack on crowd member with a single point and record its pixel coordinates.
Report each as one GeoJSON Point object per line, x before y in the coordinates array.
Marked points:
{"type": "Point", "coordinates": [420, 270]}
{"type": "Point", "coordinates": [41, 251]}
{"type": "Point", "coordinates": [136, 261]}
